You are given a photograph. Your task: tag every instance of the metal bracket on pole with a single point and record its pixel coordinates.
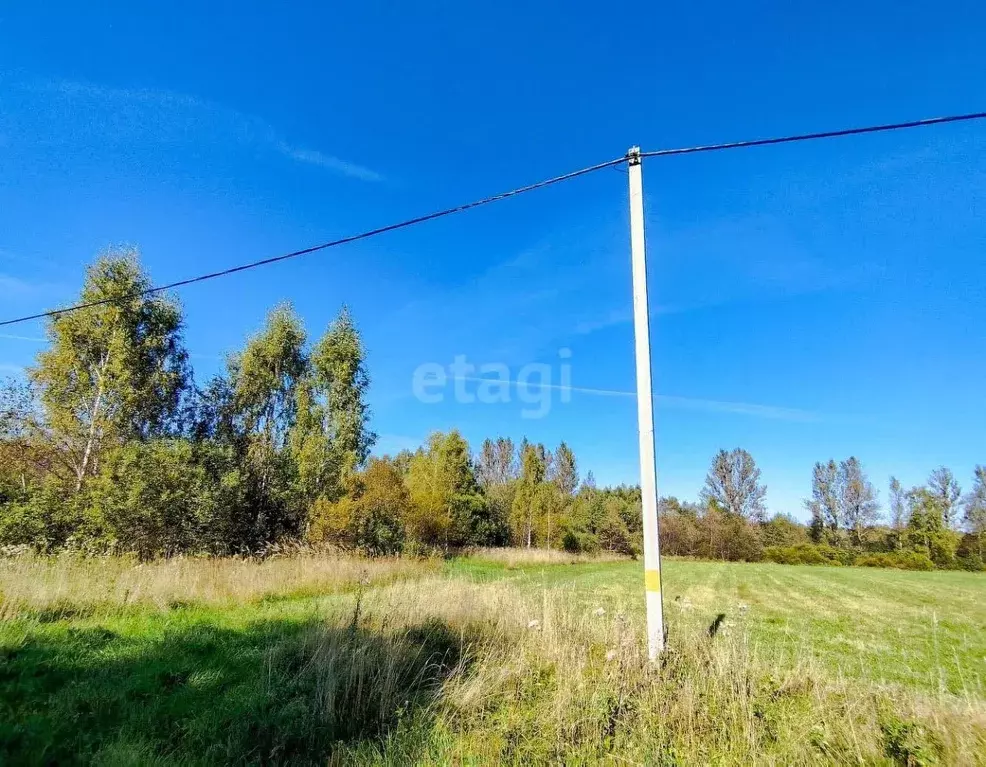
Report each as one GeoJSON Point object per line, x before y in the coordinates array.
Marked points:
{"type": "Point", "coordinates": [645, 411]}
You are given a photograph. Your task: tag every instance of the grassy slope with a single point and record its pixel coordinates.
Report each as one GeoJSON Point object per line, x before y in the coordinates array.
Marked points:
{"type": "Point", "coordinates": [214, 684]}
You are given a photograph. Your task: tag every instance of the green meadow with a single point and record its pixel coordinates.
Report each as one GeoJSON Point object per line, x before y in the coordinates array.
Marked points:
{"type": "Point", "coordinates": [518, 658]}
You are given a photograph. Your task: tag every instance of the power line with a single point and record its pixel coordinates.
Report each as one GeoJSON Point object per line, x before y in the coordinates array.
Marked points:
{"type": "Point", "coordinates": [324, 246]}
{"type": "Point", "coordinates": [813, 136]}
{"type": "Point", "coordinates": [496, 198]}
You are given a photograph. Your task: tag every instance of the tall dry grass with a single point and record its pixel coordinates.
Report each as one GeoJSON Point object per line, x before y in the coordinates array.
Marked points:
{"type": "Point", "coordinates": [512, 677]}
{"type": "Point", "coordinates": [75, 582]}
{"type": "Point", "coordinates": [520, 557]}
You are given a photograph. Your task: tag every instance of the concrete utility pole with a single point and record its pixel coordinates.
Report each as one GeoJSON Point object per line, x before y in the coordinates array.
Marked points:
{"type": "Point", "coordinates": [645, 412]}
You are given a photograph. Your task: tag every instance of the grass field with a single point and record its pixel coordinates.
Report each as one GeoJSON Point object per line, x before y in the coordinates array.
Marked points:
{"type": "Point", "coordinates": [485, 661]}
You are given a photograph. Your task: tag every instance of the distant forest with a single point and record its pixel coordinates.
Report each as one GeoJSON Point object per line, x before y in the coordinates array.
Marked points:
{"type": "Point", "coordinates": [110, 445]}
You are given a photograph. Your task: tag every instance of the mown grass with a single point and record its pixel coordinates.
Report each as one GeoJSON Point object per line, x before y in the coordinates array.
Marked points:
{"type": "Point", "coordinates": [490, 663]}
{"type": "Point", "coordinates": [923, 630]}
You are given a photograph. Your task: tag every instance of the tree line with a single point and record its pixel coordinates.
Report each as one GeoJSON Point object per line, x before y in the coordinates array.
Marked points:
{"type": "Point", "coordinates": [110, 444]}
{"type": "Point", "coordinates": [931, 525]}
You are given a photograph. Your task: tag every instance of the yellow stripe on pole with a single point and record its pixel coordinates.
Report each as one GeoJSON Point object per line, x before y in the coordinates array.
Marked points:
{"type": "Point", "coordinates": [652, 580]}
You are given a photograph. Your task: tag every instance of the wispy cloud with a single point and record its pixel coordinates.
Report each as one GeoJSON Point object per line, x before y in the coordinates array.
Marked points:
{"type": "Point", "coordinates": [29, 339]}
{"type": "Point", "coordinates": [133, 115]}
{"type": "Point", "coordinates": [322, 160]}
{"type": "Point", "coordinates": [608, 320]}
{"type": "Point", "coordinates": [15, 287]}
{"type": "Point", "coordinates": [10, 286]}
{"type": "Point", "coordinates": [624, 316]}
{"type": "Point", "coordinates": [773, 412]}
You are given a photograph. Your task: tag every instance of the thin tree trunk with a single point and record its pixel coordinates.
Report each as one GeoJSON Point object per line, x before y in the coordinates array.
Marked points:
{"type": "Point", "coordinates": [93, 417]}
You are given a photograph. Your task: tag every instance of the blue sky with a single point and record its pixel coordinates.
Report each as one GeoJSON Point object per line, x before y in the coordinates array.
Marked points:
{"type": "Point", "coordinates": [808, 301]}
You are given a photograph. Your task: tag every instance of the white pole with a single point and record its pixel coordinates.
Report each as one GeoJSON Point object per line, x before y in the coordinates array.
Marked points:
{"type": "Point", "coordinates": [645, 412]}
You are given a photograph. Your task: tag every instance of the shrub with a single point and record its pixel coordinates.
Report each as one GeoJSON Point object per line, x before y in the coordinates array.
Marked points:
{"type": "Point", "coordinates": [330, 521]}
{"type": "Point", "coordinates": [614, 536]}
{"type": "Point", "coordinates": [579, 542]}
{"type": "Point", "coordinates": [165, 497]}
{"type": "Point", "coordinates": [680, 534]}
{"type": "Point", "coordinates": [45, 517]}
{"type": "Point", "coordinates": [807, 554]}
{"type": "Point", "coordinates": [971, 562]}
{"type": "Point", "coordinates": [369, 517]}
{"type": "Point", "coordinates": [729, 537]}
{"type": "Point", "coordinates": [899, 560]}
{"type": "Point", "coordinates": [969, 554]}
{"type": "Point", "coordinates": [782, 530]}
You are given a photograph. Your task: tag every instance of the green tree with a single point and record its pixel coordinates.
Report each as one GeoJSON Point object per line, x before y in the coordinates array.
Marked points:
{"type": "Point", "coordinates": [614, 533]}
{"type": "Point", "coordinates": [782, 530]}
{"type": "Point", "coordinates": [265, 377]}
{"type": "Point", "coordinates": [551, 510]}
{"type": "Point", "coordinates": [331, 438]}
{"type": "Point", "coordinates": [926, 529]}
{"type": "Point", "coordinates": [26, 453]}
{"type": "Point", "coordinates": [47, 518]}
{"type": "Point", "coordinates": [497, 474]}
{"type": "Point", "coordinates": [166, 497]}
{"type": "Point", "coordinates": [370, 517]}
{"type": "Point", "coordinates": [528, 500]}
{"type": "Point", "coordinates": [341, 382]}
{"type": "Point", "coordinates": [585, 520]}
{"type": "Point", "coordinates": [115, 371]}
{"type": "Point", "coordinates": [263, 386]}
{"type": "Point", "coordinates": [448, 508]}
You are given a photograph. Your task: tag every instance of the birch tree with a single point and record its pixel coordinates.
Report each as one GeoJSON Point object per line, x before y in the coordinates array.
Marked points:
{"type": "Point", "coordinates": [528, 498]}
{"type": "Point", "coordinates": [264, 382]}
{"type": "Point", "coordinates": [332, 438]}
{"type": "Point", "coordinates": [115, 371]}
